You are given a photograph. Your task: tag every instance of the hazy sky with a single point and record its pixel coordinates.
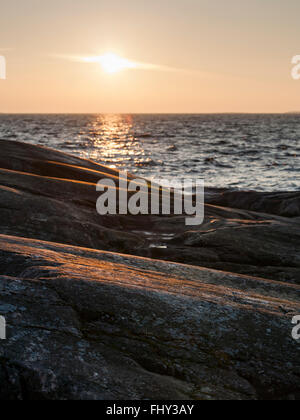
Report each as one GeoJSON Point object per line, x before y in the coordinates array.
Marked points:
{"type": "Point", "coordinates": [235, 55]}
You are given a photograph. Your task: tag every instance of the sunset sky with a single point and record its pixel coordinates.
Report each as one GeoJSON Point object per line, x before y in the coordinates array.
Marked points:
{"type": "Point", "coordinates": [184, 56]}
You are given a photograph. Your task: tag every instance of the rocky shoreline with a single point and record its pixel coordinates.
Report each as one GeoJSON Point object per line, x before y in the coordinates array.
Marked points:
{"type": "Point", "coordinates": [144, 307]}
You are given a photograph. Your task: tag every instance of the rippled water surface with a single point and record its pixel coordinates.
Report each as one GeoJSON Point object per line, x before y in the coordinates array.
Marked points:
{"type": "Point", "coordinates": [234, 151]}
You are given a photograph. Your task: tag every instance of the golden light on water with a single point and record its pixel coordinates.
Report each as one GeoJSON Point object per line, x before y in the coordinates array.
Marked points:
{"type": "Point", "coordinates": [114, 141]}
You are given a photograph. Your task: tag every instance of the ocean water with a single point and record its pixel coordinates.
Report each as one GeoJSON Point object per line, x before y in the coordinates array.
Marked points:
{"type": "Point", "coordinates": [235, 151]}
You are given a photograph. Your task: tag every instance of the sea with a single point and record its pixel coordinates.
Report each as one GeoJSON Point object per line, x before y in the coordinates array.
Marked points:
{"type": "Point", "coordinates": [235, 151]}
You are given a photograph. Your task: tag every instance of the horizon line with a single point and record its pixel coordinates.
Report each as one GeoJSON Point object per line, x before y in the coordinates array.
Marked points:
{"type": "Point", "coordinates": [152, 113]}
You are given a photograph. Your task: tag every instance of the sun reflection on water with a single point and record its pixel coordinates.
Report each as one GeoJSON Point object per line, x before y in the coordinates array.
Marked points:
{"type": "Point", "coordinates": [114, 142]}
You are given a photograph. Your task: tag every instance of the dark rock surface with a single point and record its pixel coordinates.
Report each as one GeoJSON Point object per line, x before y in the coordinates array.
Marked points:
{"type": "Point", "coordinates": [49, 195]}
{"type": "Point", "coordinates": [286, 204]}
{"type": "Point", "coordinates": [43, 196]}
{"type": "Point", "coordinates": [244, 243]}
{"type": "Point", "coordinates": [85, 324]}
{"type": "Point", "coordinates": [89, 324]}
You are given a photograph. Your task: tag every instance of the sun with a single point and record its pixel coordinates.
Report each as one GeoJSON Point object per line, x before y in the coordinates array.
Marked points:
{"type": "Point", "coordinates": [112, 63]}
